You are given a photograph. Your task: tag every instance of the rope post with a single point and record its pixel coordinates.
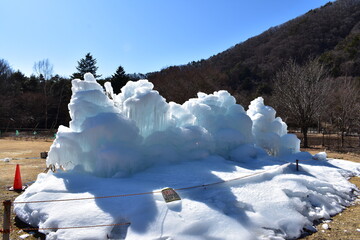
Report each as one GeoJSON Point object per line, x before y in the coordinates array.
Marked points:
{"type": "Point", "coordinates": [7, 218]}
{"type": "Point", "coordinates": [297, 165]}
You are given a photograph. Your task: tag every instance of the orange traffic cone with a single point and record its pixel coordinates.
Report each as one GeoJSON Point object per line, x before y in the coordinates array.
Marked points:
{"type": "Point", "coordinates": [17, 180]}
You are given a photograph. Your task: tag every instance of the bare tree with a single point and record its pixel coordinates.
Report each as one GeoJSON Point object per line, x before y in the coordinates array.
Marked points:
{"type": "Point", "coordinates": [44, 69]}
{"type": "Point", "coordinates": [5, 68]}
{"type": "Point", "coordinates": [300, 92]}
{"type": "Point", "coordinates": [345, 105]}
{"type": "Point", "coordinates": [5, 73]}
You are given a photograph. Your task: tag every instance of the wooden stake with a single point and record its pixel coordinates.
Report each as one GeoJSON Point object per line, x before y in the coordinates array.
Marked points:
{"type": "Point", "coordinates": [7, 218]}
{"type": "Point", "coordinates": [297, 165]}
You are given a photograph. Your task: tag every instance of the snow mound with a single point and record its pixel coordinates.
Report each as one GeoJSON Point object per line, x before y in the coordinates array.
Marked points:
{"type": "Point", "coordinates": [233, 169]}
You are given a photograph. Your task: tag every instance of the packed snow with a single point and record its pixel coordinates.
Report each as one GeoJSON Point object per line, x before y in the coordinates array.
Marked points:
{"type": "Point", "coordinates": [233, 169]}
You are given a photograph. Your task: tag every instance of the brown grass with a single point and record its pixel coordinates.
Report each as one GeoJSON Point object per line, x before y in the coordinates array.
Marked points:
{"type": "Point", "coordinates": [29, 168]}
{"type": "Point", "coordinates": [343, 226]}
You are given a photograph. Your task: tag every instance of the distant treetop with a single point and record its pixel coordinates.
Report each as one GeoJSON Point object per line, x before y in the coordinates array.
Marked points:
{"type": "Point", "coordinates": [85, 65]}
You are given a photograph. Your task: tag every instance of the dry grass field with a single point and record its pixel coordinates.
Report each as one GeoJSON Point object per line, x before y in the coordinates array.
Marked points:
{"type": "Point", "coordinates": [342, 226]}
{"type": "Point", "coordinates": [29, 168]}
{"type": "Point", "coordinates": [346, 225]}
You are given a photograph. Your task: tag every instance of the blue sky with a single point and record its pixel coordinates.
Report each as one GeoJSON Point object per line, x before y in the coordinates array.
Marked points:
{"type": "Point", "coordinates": [140, 35]}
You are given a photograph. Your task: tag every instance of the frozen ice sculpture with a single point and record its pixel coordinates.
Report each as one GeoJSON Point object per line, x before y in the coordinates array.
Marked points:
{"type": "Point", "coordinates": [113, 135]}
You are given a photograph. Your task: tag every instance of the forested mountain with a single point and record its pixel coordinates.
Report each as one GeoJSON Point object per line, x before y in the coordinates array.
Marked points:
{"type": "Point", "coordinates": [331, 33]}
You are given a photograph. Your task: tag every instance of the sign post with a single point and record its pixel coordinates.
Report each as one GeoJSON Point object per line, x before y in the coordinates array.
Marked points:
{"type": "Point", "coordinates": [170, 195]}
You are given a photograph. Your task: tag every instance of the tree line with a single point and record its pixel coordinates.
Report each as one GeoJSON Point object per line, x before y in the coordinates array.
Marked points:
{"type": "Point", "coordinates": [40, 101]}
{"type": "Point", "coordinates": [304, 95]}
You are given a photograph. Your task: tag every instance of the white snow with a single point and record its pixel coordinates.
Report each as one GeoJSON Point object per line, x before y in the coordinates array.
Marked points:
{"type": "Point", "coordinates": [320, 156]}
{"type": "Point", "coordinates": [325, 226]}
{"type": "Point", "coordinates": [24, 236]}
{"type": "Point", "coordinates": [232, 168]}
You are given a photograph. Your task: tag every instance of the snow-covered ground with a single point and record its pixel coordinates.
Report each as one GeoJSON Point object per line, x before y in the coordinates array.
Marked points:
{"type": "Point", "coordinates": [233, 169]}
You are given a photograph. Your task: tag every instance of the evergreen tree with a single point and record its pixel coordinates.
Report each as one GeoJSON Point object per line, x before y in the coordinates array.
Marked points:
{"type": "Point", "coordinates": [32, 84]}
{"type": "Point", "coordinates": [85, 65]}
{"type": "Point", "coordinates": [16, 82]}
{"type": "Point", "coordinates": [119, 79]}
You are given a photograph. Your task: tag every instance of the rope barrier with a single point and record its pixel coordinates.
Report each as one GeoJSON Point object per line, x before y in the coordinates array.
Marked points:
{"type": "Point", "coordinates": [6, 231]}
{"type": "Point", "coordinates": [230, 180]}
{"type": "Point", "coordinates": [152, 192]}
{"type": "Point", "coordinates": [128, 195]}
{"type": "Point", "coordinates": [57, 228]}
{"type": "Point", "coordinates": [89, 198]}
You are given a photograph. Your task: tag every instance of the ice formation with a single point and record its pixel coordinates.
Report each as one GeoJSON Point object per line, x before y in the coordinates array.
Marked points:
{"type": "Point", "coordinates": [120, 150]}
{"type": "Point", "coordinates": [271, 133]}
{"type": "Point", "coordinates": [116, 135]}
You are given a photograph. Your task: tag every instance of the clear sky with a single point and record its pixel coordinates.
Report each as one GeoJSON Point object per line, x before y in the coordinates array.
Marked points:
{"type": "Point", "coordinates": [140, 35]}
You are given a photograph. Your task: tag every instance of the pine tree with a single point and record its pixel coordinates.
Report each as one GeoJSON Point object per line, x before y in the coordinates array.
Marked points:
{"type": "Point", "coordinates": [86, 65]}
{"type": "Point", "coordinates": [119, 79]}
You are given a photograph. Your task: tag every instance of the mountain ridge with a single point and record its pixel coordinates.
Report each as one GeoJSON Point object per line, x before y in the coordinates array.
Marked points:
{"type": "Point", "coordinates": [331, 32]}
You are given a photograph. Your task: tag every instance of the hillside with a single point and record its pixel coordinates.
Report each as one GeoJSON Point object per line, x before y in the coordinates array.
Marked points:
{"type": "Point", "coordinates": [246, 69]}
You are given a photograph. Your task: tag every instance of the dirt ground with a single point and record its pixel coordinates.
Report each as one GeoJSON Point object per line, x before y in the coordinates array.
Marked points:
{"type": "Point", "coordinates": [17, 150]}
{"type": "Point", "coordinates": [344, 226]}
